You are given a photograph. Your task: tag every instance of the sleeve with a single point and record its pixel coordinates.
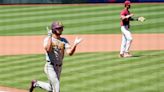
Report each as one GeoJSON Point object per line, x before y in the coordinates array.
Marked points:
{"type": "Point", "coordinates": [67, 46]}
{"type": "Point", "coordinates": [122, 13]}
{"type": "Point", "coordinates": [66, 43]}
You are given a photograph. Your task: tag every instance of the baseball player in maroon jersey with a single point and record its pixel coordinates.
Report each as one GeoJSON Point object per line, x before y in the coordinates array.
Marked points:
{"type": "Point", "coordinates": [55, 47]}
{"type": "Point", "coordinates": [126, 17]}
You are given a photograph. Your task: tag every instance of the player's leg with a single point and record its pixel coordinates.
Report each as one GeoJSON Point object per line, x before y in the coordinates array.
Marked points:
{"type": "Point", "coordinates": [44, 85]}
{"type": "Point", "coordinates": [123, 45]}
{"type": "Point", "coordinates": [128, 45]}
{"type": "Point", "coordinates": [53, 78]}
{"type": "Point", "coordinates": [128, 37]}
{"type": "Point", "coordinates": [53, 85]}
{"type": "Point", "coordinates": [128, 42]}
{"type": "Point", "coordinates": [59, 71]}
{"type": "Point", "coordinates": [41, 84]}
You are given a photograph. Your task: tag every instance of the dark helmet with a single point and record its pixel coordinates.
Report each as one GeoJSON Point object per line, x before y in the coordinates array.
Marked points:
{"type": "Point", "coordinates": [127, 2]}
{"type": "Point", "coordinates": [56, 25]}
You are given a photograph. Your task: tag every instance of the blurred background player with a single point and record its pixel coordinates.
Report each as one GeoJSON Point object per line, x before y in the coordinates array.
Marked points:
{"type": "Point", "coordinates": [126, 17]}
{"type": "Point", "coordinates": [55, 47]}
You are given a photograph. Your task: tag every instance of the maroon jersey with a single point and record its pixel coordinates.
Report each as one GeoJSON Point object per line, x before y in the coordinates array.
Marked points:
{"type": "Point", "coordinates": [125, 22]}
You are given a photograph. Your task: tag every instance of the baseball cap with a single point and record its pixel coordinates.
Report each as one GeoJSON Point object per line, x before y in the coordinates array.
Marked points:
{"type": "Point", "coordinates": [127, 2]}
{"type": "Point", "coordinates": [56, 24]}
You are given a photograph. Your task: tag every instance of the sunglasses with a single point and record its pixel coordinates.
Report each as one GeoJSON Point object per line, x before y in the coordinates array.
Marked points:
{"type": "Point", "coordinates": [59, 28]}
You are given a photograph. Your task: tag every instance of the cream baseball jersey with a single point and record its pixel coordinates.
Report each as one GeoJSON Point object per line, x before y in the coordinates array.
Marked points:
{"type": "Point", "coordinates": [58, 46]}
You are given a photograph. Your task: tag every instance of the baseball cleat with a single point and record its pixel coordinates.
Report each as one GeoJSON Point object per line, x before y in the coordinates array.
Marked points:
{"type": "Point", "coordinates": [127, 55]}
{"type": "Point", "coordinates": [33, 82]}
{"type": "Point", "coordinates": [121, 55]}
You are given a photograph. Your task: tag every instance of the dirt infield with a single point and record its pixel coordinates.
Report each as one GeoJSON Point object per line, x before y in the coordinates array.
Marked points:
{"type": "Point", "coordinates": [7, 89]}
{"type": "Point", "coordinates": [14, 45]}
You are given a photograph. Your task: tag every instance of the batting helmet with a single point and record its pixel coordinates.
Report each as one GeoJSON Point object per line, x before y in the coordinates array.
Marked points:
{"type": "Point", "coordinates": [127, 2]}
{"type": "Point", "coordinates": [56, 24]}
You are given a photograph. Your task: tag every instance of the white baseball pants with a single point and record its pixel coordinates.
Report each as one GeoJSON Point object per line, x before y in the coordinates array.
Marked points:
{"type": "Point", "coordinates": [54, 83]}
{"type": "Point", "coordinates": [126, 39]}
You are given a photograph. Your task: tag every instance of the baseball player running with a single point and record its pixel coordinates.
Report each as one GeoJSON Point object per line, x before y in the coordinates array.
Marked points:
{"type": "Point", "coordinates": [55, 47]}
{"type": "Point", "coordinates": [126, 17]}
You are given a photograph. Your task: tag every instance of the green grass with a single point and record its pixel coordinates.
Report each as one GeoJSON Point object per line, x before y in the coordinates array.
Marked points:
{"type": "Point", "coordinates": [82, 19]}
{"type": "Point", "coordinates": [90, 72]}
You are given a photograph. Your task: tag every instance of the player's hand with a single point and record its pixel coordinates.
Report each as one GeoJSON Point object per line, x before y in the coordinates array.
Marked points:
{"type": "Point", "coordinates": [131, 14]}
{"type": "Point", "coordinates": [141, 19]}
{"type": "Point", "coordinates": [77, 40]}
{"type": "Point", "coordinates": [49, 32]}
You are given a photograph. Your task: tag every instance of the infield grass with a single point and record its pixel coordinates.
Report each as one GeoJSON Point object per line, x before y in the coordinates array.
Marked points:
{"type": "Point", "coordinates": [90, 72]}
{"type": "Point", "coordinates": [79, 19]}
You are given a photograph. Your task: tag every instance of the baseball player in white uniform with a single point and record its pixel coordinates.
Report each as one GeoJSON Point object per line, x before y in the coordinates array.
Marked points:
{"type": "Point", "coordinates": [55, 47]}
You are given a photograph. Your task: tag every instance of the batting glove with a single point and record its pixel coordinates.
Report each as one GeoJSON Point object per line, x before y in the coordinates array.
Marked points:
{"type": "Point", "coordinates": [49, 32]}
{"type": "Point", "coordinates": [77, 40]}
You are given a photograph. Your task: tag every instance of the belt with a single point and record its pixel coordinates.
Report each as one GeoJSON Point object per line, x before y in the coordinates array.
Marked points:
{"type": "Point", "coordinates": [55, 64]}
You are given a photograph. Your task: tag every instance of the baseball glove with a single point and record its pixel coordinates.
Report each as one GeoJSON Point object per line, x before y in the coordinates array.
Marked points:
{"type": "Point", "coordinates": [141, 19]}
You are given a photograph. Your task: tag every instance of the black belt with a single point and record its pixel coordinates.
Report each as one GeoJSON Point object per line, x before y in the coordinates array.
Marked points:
{"type": "Point", "coordinates": [55, 64]}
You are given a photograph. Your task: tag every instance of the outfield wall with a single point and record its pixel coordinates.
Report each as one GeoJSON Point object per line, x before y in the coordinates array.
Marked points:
{"type": "Point", "coordinates": [121, 1]}
{"type": "Point", "coordinates": [29, 1]}
{"type": "Point", "coordinates": [69, 1]}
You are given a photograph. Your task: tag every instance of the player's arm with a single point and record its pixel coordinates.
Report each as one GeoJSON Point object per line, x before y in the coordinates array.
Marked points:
{"type": "Point", "coordinates": [126, 17]}
{"type": "Point", "coordinates": [48, 42]}
{"type": "Point", "coordinates": [130, 18]}
{"type": "Point", "coordinates": [71, 49]}
{"type": "Point", "coordinates": [141, 19]}
{"type": "Point", "coordinates": [48, 46]}
{"type": "Point", "coordinates": [133, 19]}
